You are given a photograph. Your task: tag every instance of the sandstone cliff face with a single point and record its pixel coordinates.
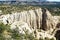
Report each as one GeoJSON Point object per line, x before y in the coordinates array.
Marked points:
{"type": "Point", "coordinates": [32, 17]}
{"type": "Point", "coordinates": [38, 19]}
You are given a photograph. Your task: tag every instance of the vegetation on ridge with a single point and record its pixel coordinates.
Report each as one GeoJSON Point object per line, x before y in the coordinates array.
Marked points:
{"type": "Point", "coordinates": [8, 9]}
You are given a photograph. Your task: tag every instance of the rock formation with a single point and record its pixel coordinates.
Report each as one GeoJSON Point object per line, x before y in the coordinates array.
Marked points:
{"type": "Point", "coordinates": [21, 27]}
{"type": "Point", "coordinates": [37, 19]}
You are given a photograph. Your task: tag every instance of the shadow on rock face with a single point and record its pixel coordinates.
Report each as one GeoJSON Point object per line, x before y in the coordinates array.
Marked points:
{"type": "Point", "coordinates": [58, 25]}
{"type": "Point", "coordinates": [44, 17]}
{"type": "Point", "coordinates": [57, 35]}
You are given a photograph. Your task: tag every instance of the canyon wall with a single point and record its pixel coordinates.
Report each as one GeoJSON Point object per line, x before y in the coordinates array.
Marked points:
{"type": "Point", "coordinates": [37, 19]}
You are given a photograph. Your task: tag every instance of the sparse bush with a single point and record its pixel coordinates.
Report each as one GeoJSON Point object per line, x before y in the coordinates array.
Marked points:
{"type": "Point", "coordinates": [2, 29]}
{"type": "Point", "coordinates": [52, 39]}
{"type": "Point", "coordinates": [14, 34]}
{"type": "Point", "coordinates": [17, 36]}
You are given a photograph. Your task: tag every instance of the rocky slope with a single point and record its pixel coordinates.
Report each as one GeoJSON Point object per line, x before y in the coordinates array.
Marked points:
{"type": "Point", "coordinates": [40, 22]}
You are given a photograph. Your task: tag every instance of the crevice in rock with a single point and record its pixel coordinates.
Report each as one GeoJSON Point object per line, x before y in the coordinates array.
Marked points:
{"type": "Point", "coordinates": [58, 25]}
{"type": "Point", "coordinates": [37, 22]}
{"type": "Point", "coordinates": [57, 35]}
{"type": "Point", "coordinates": [44, 17]}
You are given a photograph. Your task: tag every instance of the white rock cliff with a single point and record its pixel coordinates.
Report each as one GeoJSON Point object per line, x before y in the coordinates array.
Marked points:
{"type": "Point", "coordinates": [32, 20]}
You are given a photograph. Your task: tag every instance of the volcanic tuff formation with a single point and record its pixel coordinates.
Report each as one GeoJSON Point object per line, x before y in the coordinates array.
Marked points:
{"type": "Point", "coordinates": [38, 19]}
